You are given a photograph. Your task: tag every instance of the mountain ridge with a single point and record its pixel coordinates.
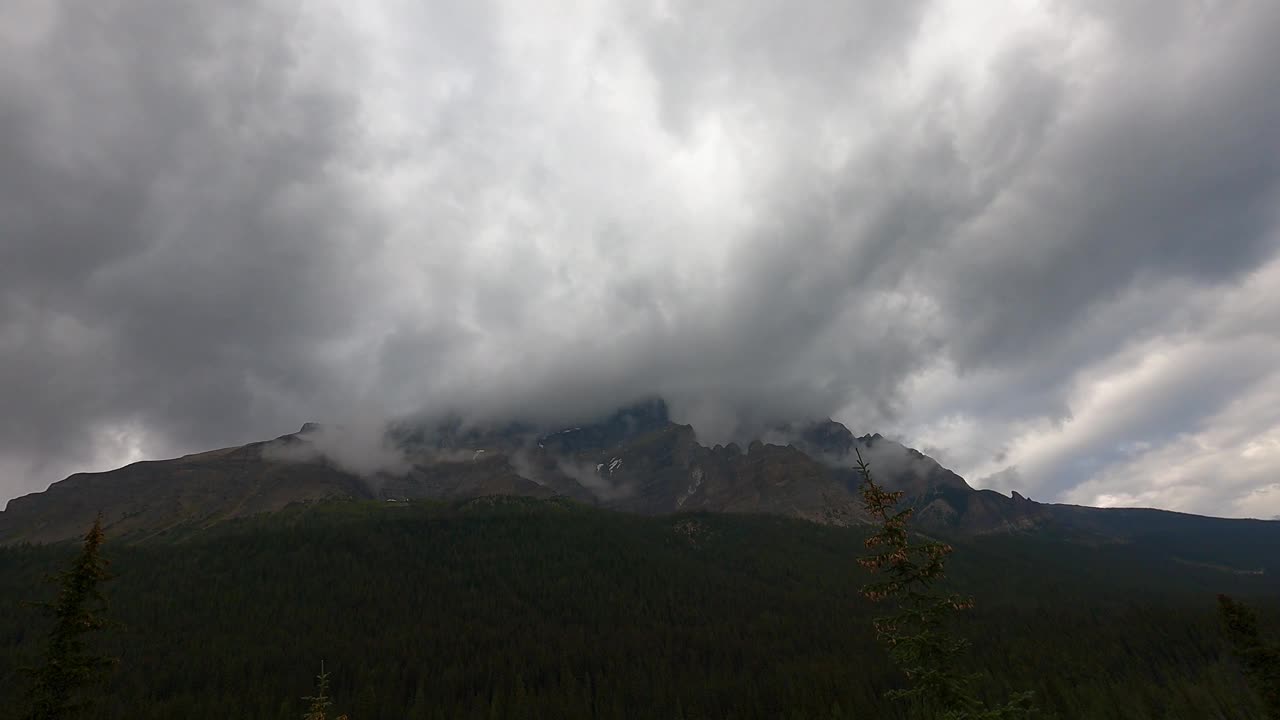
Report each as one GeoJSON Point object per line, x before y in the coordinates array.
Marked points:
{"type": "Point", "coordinates": [634, 460]}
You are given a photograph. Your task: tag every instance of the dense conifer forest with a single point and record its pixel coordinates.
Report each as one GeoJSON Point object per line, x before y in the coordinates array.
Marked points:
{"type": "Point", "coordinates": [498, 608]}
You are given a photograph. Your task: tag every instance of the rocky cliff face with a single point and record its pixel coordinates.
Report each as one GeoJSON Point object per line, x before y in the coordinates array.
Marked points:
{"type": "Point", "coordinates": [635, 460]}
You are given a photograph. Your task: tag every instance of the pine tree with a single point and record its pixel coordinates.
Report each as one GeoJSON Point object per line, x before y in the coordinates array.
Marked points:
{"type": "Point", "coordinates": [319, 704]}
{"type": "Point", "coordinates": [917, 636]}
{"type": "Point", "coordinates": [1261, 659]}
{"type": "Point", "coordinates": [68, 666]}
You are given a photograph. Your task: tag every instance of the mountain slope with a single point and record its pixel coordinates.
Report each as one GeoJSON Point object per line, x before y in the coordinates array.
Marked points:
{"type": "Point", "coordinates": [636, 460]}
{"type": "Point", "coordinates": [152, 496]}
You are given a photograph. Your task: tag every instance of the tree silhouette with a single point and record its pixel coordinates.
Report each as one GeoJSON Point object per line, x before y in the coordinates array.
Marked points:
{"type": "Point", "coordinates": [319, 704]}
{"type": "Point", "coordinates": [68, 666]}
{"type": "Point", "coordinates": [916, 635]}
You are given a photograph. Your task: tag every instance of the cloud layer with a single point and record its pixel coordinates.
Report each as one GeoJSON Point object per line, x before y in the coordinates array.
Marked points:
{"type": "Point", "coordinates": [1036, 239]}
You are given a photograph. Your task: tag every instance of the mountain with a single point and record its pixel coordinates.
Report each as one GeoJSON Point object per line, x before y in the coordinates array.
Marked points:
{"type": "Point", "coordinates": [635, 460]}
{"type": "Point", "coordinates": [619, 568]}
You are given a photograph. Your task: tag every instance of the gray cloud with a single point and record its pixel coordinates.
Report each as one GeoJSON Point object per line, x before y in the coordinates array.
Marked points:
{"type": "Point", "coordinates": [963, 226]}
{"type": "Point", "coordinates": [363, 449]}
{"type": "Point", "coordinates": [172, 231]}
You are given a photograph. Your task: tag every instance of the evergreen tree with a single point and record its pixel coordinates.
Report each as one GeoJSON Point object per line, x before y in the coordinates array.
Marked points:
{"type": "Point", "coordinates": [68, 666]}
{"type": "Point", "coordinates": [319, 704]}
{"type": "Point", "coordinates": [916, 635]}
{"type": "Point", "coordinates": [1261, 659]}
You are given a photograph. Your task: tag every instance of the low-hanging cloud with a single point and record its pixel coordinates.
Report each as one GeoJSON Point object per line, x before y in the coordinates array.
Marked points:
{"type": "Point", "coordinates": [597, 479]}
{"type": "Point", "coordinates": [365, 450]}
{"type": "Point", "coordinates": [962, 225]}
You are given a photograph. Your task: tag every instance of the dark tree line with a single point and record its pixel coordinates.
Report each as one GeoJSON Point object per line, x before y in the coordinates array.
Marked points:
{"type": "Point", "coordinates": [543, 610]}
{"type": "Point", "coordinates": [1259, 657]}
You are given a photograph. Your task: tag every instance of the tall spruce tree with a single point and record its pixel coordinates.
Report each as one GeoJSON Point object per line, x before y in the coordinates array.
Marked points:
{"type": "Point", "coordinates": [917, 634]}
{"type": "Point", "coordinates": [68, 667]}
{"type": "Point", "coordinates": [1260, 658]}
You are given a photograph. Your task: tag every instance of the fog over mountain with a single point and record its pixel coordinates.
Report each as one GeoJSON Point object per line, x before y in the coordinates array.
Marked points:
{"type": "Point", "coordinates": [1040, 241]}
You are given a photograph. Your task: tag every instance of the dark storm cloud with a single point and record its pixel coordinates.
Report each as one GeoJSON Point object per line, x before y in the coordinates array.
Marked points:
{"type": "Point", "coordinates": [964, 225]}
{"type": "Point", "coordinates": [1161, 169]}
{"type": "Point", "coordinates": [169, 225]}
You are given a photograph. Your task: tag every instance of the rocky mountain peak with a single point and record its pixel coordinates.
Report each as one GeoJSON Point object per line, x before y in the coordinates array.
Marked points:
{"type": "Point", "coordinates": [827, 437]}
{"type": "Point", "coordinates": [634, 459]}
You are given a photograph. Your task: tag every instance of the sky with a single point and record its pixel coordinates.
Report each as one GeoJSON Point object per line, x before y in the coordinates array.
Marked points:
{"type": "Point", "coordinates": [1039, 241]}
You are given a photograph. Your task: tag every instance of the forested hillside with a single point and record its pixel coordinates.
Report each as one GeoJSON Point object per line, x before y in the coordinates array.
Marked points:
{"type": "Point", "coordinates": [523, 608]}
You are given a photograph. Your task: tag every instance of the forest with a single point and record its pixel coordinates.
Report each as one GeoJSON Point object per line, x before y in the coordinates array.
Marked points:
{"type": "Point", "coordinates": [505, 607]}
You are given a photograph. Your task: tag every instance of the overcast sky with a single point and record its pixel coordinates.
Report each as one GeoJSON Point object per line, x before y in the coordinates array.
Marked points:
{"type": "Point", "coordinates": [1037, 240]}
